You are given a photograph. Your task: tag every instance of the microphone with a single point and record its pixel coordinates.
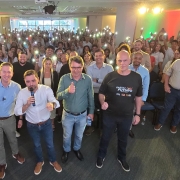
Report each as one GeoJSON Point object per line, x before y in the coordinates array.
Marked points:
{"type": "Point", "coordinates": [32, 94]}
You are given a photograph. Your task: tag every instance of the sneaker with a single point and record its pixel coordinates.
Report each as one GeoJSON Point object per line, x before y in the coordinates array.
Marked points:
{"type": "Point", "coordinates": [89, 131]}
{"type": "Point", "coordinates": [20, 159]}
{"type": "Point", "coordinates": [17, 134]}
{"type": "Point", "coordinates": [2, 170]}
{"type": "Point", "coordinates": [157, 127]}
{"type": "Point", "coordinates": [56, 166]}
{"type": "Point", "coordinates": [173, 129]}
{"type": "Point", "coordinates": [124, 165]}
{"type": "Point", "coordinates": [99, 163]}
{"type": "Point", "coordinates": [38, 168]}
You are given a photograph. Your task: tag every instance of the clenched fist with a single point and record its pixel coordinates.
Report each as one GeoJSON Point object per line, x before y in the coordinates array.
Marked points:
{"type": "Point", "coordinates": [72, 88]}
{"type": "Point", "coordinates": [104, 106]}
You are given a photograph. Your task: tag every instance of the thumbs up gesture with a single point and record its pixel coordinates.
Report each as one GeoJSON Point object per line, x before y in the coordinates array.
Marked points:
{"type": "Point", "coordinates": [71, 88]}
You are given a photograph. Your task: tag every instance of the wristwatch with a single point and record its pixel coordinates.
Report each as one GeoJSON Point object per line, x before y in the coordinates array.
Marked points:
{"type": "Point", "coordinates": [135, 114]}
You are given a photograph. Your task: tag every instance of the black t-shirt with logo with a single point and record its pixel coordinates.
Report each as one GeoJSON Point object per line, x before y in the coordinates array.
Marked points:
{"type": "Point", "coordinates": [120, 92]}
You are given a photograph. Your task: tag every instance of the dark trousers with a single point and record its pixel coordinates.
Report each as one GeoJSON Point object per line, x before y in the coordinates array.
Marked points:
{"type": "Point", "coordinates": [110, 122]}
{"type": "Point", "coordinates": [172, 99]}
{"type": "Point", "coordinates": [98, 113]}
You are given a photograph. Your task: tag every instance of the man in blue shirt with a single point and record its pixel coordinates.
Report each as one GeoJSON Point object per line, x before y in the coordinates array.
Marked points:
{"type": "Point", "coordinates": [8, 93]}
{"type": "Point", "coordinates": [137, 67]}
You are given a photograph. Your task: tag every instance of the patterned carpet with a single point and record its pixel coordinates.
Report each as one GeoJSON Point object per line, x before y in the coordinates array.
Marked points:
{"type": "Point", "coordinates": [151, 155]}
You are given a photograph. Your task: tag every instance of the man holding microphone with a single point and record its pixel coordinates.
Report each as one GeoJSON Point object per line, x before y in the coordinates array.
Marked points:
{"type": "Point", "coordinates": [36, 101]}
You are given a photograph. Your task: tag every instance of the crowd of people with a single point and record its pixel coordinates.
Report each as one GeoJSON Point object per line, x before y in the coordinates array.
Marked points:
{"type": "Point", "coordinates": [69, 76]}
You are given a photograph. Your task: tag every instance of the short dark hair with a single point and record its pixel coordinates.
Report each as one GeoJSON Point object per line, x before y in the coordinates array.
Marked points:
{"type": "Point", "coordinates": [77, 59]}
{"type": "Point", "coordinates": [22, 52]}
{"type": "Point", "coordinates": [175, 41]}
{"type": "Point", "coordinates": [50, 47]}
{"type": "Point", "coordinates": [31, 72]}
{"type": "Point", "coordinates": [99, 50]}
{"type": "Point", "coordinates": [58, 50]}
{"type": "Point", "coordinates": [6, 64]}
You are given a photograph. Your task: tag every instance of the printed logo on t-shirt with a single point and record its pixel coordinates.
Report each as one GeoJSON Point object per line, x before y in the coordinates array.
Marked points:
{"type": "Point", "coordinates": [125, 91]}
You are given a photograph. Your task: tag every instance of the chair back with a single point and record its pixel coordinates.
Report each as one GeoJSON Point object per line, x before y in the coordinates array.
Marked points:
{"type": "Point", "coordinates": [156, 91]}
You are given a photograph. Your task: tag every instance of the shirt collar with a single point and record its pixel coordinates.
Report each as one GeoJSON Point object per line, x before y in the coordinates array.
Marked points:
{"type": "Point", "coordinates": [82, 76]}
{"type": "Point", "coordinates": [131, 65]}
{"type": "Point", "coordinates": [7, 86]}
{"type": "Point", "coordinates": [104, 64]}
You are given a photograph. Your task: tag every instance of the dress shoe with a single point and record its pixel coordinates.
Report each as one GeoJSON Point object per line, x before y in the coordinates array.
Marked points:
{"type": "Point", "coordinates": [131, 134]}
{"type": "Point", "coordinates": [64, 157]}
{"type": "Point", "coordinates": [79, 155]}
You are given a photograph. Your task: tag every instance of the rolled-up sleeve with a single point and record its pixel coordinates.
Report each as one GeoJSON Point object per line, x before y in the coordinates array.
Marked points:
{"type": "Point", "coordinates": [19, 104]}
{"type": "Point", "coordinates": [62, 92]}
{"type": "Point", "coordinates": [51, 98]}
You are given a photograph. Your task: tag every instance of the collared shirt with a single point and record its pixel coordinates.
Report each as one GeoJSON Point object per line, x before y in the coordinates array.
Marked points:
{"type": "Point", "coordinates": [39, 112]}
{"type": "Point", "coordinates": [99, 74]}
{"type": "Point", "coordinates": [174, 72]}
{"type": "Point", "coordinates": [7, 98]}
{"type": "Point", "coordinates": [83, 97]}
{"type": "Point", "coordinates": [159, 57]}
{"type": "Point", "coordinates": [58, 66]}
{"type": "Point", "coordinates": [145, 79]}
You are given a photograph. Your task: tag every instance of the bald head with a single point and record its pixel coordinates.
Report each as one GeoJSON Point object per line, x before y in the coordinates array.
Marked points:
{"type": "Point", "coordinates": [123, 60]}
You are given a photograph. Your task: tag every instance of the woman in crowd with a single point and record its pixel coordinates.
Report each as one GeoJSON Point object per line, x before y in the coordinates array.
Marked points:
{"type": "Point", "coordinates": [87, 60]}
{"type": "Point", "coordinates": [49, 77]}
{"type": "Point", "coordinates": [148, 50]}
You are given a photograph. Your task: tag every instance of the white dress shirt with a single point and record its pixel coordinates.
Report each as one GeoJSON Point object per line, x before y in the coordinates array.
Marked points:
{"type": "Point", "coordinates": [39, 112]}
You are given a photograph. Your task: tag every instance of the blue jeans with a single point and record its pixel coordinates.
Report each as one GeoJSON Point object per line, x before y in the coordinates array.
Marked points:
{"type": "Point", "coordinates": [172, 99]}
{"type": "Point", "coordinates": [68, 122]}
{"type": "Point", "coordinates": [44, 130]}
{"type": "Point", "coordinates": [110, 122]}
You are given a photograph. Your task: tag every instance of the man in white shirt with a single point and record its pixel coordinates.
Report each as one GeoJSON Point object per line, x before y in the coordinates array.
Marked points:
{"type": "Point", "coordinates": [36, 101]}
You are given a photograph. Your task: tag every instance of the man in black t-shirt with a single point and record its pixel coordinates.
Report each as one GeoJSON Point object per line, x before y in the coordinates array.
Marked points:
{"type": "Point", "coordinates": [120, 91]}
{"type": "Point", "coordinates": [20, 68]}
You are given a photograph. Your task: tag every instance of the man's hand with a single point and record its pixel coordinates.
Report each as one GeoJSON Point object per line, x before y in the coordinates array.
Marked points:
{"type": "Point", "coordinates": [104, 106]}
{"type": "Point", "coordinates": [136, 120]}
{"type": "Point", "coordinates": [94, 80]}
{"type": "Point", "coordinates": [30, 101]}
{"type": "Point", "coordinates": [142, 103]}
{"type": "Point", "coordinates": [91, 116]}
{"type": "Point", "coordinates": [49, 106]}
{"type": "Point", "coordinates": [20, 123]}
{"type": "Point", "coordinates": [167, 89]}
{"type": "Point", "coordinates": [72, 88]}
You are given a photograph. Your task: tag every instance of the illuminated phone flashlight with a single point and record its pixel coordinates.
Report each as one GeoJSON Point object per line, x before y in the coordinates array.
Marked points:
{"type": "Point", "coordinates": [110, 33]}
{"type": "Point", "coordinates": [44, 35]}
{"type": "Point", "coordinates": [3, 27]}
{"type": "Point", "coordinates": [77, 37]}
{"type": "Point", "coordinates": [105, 45]}
{"type": "Point", "coordinates": [142, 29]}
{"type": "Point", "coordinates": [52, 39]}
{"type": "Point", "coordinates": [36, 52]}
{"type": "Point", "coordinates": [26, 38]}
{"type": "Point", "coordinates": [17, 34]}
{"type": "Point", "coordinates": [35, 42]}
{"type": "Point", "coordinates": [33, 60]}
{"type": "Point", "coordinates": [30, 35]}
{"type": "Point", "coordinates": [24, 42]}
{"type": "Point", "coordinates": [117, 67]}
{"type": "Point", "coordinates": [165, 34]}
{"type": "Point", "coordinates": [116, 33]}
{"type": "Point", "coordinates": [38, 32]}
{"type": "Point", "coordinates": [96, 29]}
{"type": "Point", "coordinates": [19, 39]}
{"type": "Point", "coordinates": [127, 38]}
{"type": "Point", "coordinates": [110, 62]}
{"type": "Point", "coordinates": [90, 35]}
{"type": "Point", "coordinates": [9, 34]}
{"type": "Point", "coordinates": [69, 39]}
{"type": "Point", "coordinates": [56, 37]}
{"type": "Point", "coordinates": [141, 37]}
{"type": "Point", "coordinates": [155, 33]}
{"type": "Point", "coordinates": [54, 58]}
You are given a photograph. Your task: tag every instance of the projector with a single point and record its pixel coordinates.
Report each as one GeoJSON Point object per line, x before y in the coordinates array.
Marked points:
{"type": "Point", "coordinates": [49, 9]}
{"type": "Point", "coordinates": [41, 1]}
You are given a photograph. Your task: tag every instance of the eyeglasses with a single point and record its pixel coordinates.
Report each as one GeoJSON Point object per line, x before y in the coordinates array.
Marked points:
{"type": "Point", "coordinates": [78, 68]}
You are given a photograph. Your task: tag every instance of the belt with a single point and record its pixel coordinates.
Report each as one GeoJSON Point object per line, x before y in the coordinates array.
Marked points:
{"type": "Point", "coordinates": [40, 123]}
{"type": "Point", "coordinates": [3, 118]}
{"type": "Point", "coordinates": [75, 114]}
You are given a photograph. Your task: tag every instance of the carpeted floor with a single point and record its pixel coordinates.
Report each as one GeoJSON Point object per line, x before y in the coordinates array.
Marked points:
{"type": "Point", "coordinates": [151, 155]}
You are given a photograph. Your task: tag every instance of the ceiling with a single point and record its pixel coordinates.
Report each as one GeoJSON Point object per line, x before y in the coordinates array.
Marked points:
{"type": "Point", "coordinates": [74, 8]}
